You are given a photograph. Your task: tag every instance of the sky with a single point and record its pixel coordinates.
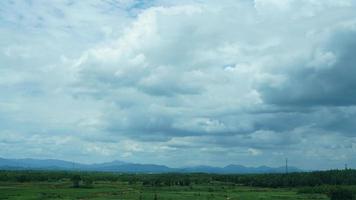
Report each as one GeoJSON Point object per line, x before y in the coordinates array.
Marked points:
{"type": "Point", "coordinates": [179, 82]}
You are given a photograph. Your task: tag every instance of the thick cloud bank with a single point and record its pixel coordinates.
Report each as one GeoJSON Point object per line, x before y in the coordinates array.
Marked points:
{"type": "Point", "coordinates": [180, 82]}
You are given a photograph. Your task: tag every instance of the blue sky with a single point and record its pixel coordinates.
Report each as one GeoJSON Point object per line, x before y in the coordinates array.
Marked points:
{"type": "Point", "coordinates": [179, 83]}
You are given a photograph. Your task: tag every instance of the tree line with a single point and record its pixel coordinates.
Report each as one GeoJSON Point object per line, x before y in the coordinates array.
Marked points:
{"type": "Point", "coordinates": [331, 177]}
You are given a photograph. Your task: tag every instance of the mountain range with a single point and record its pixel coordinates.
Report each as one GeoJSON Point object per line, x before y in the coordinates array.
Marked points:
{"type": "Point", "coordinates": [125, 167]}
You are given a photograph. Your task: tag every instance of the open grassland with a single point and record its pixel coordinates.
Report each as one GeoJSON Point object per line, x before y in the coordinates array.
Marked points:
{"type": "Point", "coordinates": [123, 190]}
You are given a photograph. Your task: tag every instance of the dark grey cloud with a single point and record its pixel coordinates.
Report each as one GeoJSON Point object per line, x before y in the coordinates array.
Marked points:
{"type": "Point", "coordinates": [326, 79]}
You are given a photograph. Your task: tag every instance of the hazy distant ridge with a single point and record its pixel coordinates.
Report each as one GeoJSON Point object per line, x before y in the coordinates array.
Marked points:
{"type": "Point", "coordinates": [119, 166]}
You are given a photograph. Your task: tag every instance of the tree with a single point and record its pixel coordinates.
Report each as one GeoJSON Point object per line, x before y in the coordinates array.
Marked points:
{"type": "Point", "coordinates": [76, 180]}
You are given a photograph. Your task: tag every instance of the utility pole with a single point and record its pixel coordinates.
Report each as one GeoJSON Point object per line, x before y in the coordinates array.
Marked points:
{"type": "Point", "coordinates": [286, 165]}
{"type": "Point", "coordinates": [345, 166]}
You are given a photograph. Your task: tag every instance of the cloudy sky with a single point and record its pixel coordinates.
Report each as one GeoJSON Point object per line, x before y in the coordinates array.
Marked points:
{"type": "Point", "coordinates": [179, 82]}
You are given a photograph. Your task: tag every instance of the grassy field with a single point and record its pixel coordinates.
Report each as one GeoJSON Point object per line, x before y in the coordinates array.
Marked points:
{"type": "Point", "coordinates": [122, 190]}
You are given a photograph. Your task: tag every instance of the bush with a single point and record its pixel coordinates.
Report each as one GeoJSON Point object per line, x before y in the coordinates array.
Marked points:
{"type": "Point", "coordinates": [22, 179]}
{"type": "Point", "coordinates": [88, 182]}
{"type": "Point", "coordinates": [76, 180]}
{"type": "Point", "coordinates": [341, 194]}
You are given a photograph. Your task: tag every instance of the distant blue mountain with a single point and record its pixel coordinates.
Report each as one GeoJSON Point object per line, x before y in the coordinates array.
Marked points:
{"type": "Point", "coordinates": [202, 168]}
{"type": "Point", "coordinates": [29, 163]}
{"type": "Point", "coordinates": [124, 167]}
{"type": "Point", "coordinates": [240, 169]}
{"type": "Point", "coordinates": [118, 166]}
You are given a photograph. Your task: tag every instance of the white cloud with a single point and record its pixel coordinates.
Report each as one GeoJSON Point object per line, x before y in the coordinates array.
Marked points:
{"type": "Point", "coordinates": [128, 79]}
{"type": "Point", "coordinates": [254, 152]}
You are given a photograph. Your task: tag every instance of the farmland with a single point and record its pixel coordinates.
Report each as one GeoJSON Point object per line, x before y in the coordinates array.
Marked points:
{"type": "Point", "coordinates": [122, 190]}
{"type": "Point", "coordinates": [21, 185]}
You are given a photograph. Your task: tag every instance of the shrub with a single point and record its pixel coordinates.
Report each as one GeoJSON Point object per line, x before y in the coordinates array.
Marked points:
{"type": "Point", "coordinates": [341, 194]}
{"type": "Point", "coordinates": [76, 180]}
{"type": "Point", "coordinates": [88, 182]}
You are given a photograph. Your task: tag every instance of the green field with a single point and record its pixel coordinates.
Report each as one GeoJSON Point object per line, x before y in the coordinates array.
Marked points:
{"type": "Point", "coordinates": [37, 185]}
{"type": "Point", "coordinates": [123, 190]}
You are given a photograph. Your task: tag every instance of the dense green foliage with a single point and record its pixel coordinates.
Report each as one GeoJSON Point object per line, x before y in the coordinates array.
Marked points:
{"type": "Point", "coordinates": [332, 177]}
{"type": "Point", "coordinates": [334, 192]}
{"type": "Point", "coordinates": [336, 184]}
{"type": "Point", "coordinates": [341, 194]}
